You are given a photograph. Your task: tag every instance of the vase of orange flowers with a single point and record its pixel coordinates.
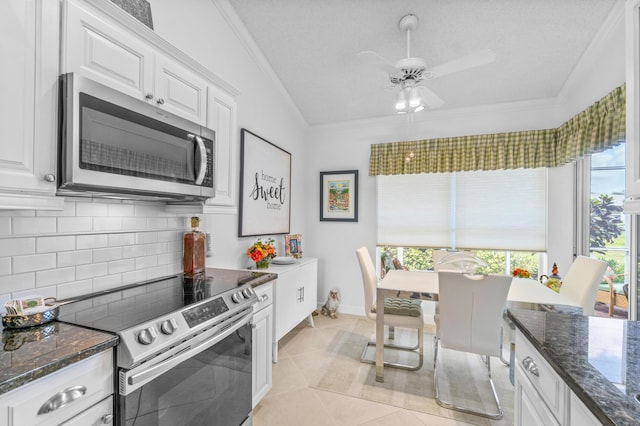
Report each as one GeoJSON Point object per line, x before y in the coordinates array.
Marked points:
{"type": "Point", "coordinates": [521, 273]}
{"type": "Point", "coordinates": [262, 253]}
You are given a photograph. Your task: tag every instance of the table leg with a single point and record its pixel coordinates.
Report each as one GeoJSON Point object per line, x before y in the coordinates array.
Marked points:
{"type": "Point", "coordinates": [379, 335]}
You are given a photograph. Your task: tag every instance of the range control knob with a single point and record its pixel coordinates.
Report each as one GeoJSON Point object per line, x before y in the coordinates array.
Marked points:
{"type": "Point", "coordinates": [237, 297]}
{"type": "Point", "coordinates": [147, 336]}
{"type": "Point", "coordinates": [248, 292]}
{"type": "Point", "coordinates": [168, 326]}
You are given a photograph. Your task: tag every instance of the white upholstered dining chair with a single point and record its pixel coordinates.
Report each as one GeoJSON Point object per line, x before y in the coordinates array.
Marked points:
{"type": "Point", "coordinates": [470, 320]}
{"type": "Point", "coordinates": [398, 312]}
{"type": "Point", "coordinates": [582, 281]}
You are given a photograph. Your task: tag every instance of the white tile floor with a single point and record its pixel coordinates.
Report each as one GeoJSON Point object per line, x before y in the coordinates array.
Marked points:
{"type": "Point", "coordinates": [292, 402]}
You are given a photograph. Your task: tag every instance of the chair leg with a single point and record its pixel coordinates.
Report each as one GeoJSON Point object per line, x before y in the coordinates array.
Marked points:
{"type": "Point", "coordinates": [504, 361]}
{"type": "Point", "coordinates": [451, 406]}
{"type": "Point", "coordinates": [419, 346]}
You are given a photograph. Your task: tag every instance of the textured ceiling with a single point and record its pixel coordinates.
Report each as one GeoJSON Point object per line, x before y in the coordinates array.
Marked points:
{"type": "Point", "coordinates": [312, 46]}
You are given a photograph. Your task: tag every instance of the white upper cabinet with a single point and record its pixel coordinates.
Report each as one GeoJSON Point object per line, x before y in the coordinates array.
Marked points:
{"type": "Point", "coordinates": [102, 50]}
{"type": "Point", "coordinates": [103, 43]}
{"type": "Point", "coordinates": [632, 30]}
{"type": "Point", "coordinates": [221, 117]}
{"type": "Point", "coordinates": [28, 105]}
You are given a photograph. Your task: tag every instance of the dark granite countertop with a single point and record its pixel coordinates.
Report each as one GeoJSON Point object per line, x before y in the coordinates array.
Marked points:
{"type": "Point", "coordinates": [30, 353]}
{"type": "Point", "coordinates": [240, 276]}
{"type": "Point", "coordinates": [598, 358]}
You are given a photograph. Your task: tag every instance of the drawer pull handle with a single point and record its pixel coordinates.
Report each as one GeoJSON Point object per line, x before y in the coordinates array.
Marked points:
{"type": "Point", "coordinates": [63, 398]}
{"type": "Point", "coordinates": [530, 365]}
{"type": "Point", "coordinates": [264, 298]}
{"type": "Point", "coordinates": [107, 419]}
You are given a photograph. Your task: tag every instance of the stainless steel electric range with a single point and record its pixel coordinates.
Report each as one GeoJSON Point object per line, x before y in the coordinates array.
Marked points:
{"type": "Point", "coordinates": [184, 355]}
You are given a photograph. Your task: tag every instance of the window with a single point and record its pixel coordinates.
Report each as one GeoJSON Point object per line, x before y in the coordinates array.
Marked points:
{"type": "Point", "coordinates": [492, 210]}
{"type": "Point", "coordinates": [607, 227]}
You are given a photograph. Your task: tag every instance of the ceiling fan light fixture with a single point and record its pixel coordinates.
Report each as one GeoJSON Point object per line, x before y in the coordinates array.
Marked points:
{"type": "Point", "coordinates": [414, 98]}
{"type": "Point", "coordinates": [401, 101]}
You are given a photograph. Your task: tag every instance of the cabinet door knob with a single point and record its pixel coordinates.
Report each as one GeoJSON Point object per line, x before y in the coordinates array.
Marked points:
{"type": "Point", "coordinates": [107, 419]}
{"type": "Point", "coordinates": [530, 365]}
{"type": "Point", "coordinates": [160, 101]}
{"type": "Point", "coordinates": [50, 177]}
{"type": "Point", "coordinates": [149, 96]}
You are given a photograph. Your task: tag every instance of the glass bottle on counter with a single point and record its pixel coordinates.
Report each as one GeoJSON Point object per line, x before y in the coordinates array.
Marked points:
{"type": "Point", "coordinates": [193, 259]}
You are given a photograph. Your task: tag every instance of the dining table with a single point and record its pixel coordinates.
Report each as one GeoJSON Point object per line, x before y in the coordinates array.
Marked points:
{"type": "Point", "coordinates": [522, 293]}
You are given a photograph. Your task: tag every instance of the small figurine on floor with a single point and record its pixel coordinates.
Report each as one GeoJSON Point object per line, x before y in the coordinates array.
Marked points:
{"type": "Point", "coordinates": [331, 306]}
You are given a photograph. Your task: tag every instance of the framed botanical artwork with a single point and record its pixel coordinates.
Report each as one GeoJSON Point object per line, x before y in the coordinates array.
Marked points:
{"type": "Point", "coordinates": [293, 245]}
{"type": "Point", "coordinates": [339, 196]}
{"type": "Point", "coordinates": [265, 187]}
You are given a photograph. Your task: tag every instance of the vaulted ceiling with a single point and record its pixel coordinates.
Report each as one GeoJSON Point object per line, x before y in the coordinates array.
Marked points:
{"type": "Point", "coordinates": [313, 46]}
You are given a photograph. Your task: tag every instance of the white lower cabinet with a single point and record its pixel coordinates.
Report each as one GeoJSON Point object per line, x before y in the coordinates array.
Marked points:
{"type": "Point", "coordinates": [296, 297]}
{"type": "Point", "coordinates": [262, 341]}
{"type": "Point", "coordinates": [542, 397]}
{"type": "Point", "coordinates": [579, 414]}
{"type": "Point", "coordinates": [86, 386]}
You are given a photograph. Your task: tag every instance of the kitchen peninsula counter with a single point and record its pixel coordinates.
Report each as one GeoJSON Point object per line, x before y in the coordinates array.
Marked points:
{"type": "Point", "coordinates": [598, 358]}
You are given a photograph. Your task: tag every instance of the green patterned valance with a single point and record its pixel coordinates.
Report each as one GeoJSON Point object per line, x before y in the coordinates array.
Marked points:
{"type": "Point", "coordinates": [600, 126]}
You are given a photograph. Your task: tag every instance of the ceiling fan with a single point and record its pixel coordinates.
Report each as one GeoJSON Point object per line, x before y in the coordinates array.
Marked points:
{"type": "Point", "coordinates": [408, 73]}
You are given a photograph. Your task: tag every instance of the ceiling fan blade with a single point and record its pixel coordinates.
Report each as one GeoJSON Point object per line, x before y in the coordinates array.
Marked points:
{"type": "Point", "coordinates": [430, 98]}
{"type": "Point", "coordinates": [372, 58]}
{"type": "Point", "coordinates": [475, 59]}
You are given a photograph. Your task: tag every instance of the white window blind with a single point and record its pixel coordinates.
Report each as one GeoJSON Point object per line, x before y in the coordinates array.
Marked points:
{"type": "Point", "coordinates": [495, 210]}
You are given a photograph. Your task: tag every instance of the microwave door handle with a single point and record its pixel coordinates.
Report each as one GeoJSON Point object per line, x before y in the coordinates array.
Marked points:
{"type": "Point", "coordinates": [201, 166]}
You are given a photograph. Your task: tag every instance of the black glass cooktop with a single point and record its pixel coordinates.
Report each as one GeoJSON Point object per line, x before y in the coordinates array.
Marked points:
{"type": "Point", "coordinates": [121, 308]}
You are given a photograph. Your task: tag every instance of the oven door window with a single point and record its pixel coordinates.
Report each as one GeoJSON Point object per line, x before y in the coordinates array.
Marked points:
{"type": "Point", "coordinates": [119, 141]}
{"type": "Point", "coordinates": [211, 388]}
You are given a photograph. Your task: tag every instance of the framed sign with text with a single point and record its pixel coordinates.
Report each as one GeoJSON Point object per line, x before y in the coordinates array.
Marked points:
{"type": "Point", "coordinates": [265, 187]}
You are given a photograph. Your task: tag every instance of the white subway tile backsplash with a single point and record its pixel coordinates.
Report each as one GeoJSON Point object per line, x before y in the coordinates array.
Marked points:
{"type": "Point", "coordinates": [33, 262]}
{"type": "Point", "coordinates": [17, 246]}
{"type": "Point", "coordinates": [118, 266]}
{"type": "Point", "coordinates": [33, 225]}
{"type": "Point", "coordinates": [91, 245]}
{"type": "Point", "coordinates": [146, 210]}
{"type": "Point", "coordinates": [107, 282]}
{"type": "Point", "coordinates": [55, 276]}
{"type": "Point", "coordinates": [17, 282]}
{"type": "Point", "coordinates": [74, 289]}
{"type": "Point", "coordinates": [107, 224]}
{"type": "Point", "coordinates": [74, 224]}
{"type": "Point", "coordinates": [121, 210]}
{"type": "Point", "coordinates": [146, 237]}
{"type": "Point", "coordinates": [91, 271]}
{"type": "Point", "coordinates": [134, 223]}
{"type": "Point", "coordinates": [134, 276]}
{"type": "Point", "coordinates": [5, 265]}
{"type": "Point", "coordinates": [146, 262]}
{"type": "Point", "coordinates": [44, 292]}
{"type": "Point", "coordinates": [107, 254]}
{"type": "Point", "coordinates": [5, 226]}
{"type": "Point", "coordinates": [92, 241]}
{"type": "Point", "coordinates": [73, 258]}
{"type": "Point", "coordinates": [134, 251]}
{"type": "Point", "coordinates": [155, 223]}
{"type": "Point", "coordinates": [124, 239]}
{"type": "Point", "coordinates": [92, 209]}
{"type": "Point", "coordinates": [53, 244]}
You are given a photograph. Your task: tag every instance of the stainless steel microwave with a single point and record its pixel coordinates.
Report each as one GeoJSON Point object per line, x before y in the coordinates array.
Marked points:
{"type": "Point", "coordinates": [113, 145]}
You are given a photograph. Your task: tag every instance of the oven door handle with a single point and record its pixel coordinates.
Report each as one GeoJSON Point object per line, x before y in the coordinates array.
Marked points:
{"type": "Point", "coordinates": [166, 365]}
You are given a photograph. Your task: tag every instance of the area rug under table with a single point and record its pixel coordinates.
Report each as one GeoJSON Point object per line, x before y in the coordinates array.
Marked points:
{"type": "Point", "coordinates": [463, 377]}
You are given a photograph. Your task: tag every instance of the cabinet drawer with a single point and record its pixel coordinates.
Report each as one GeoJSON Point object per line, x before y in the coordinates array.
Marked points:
{"type": "Point", "coordinates": [93, 377]}
{"type": "Point", "coordinates": [540, 375]}
{"type": "Point", "coordinates": [99, 414]}
{"type": "Point", "coordinates": [530, 408]}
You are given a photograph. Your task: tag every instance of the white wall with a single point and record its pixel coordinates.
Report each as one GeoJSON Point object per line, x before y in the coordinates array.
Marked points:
{"type": "Point", "coordinates": [209, 32]}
